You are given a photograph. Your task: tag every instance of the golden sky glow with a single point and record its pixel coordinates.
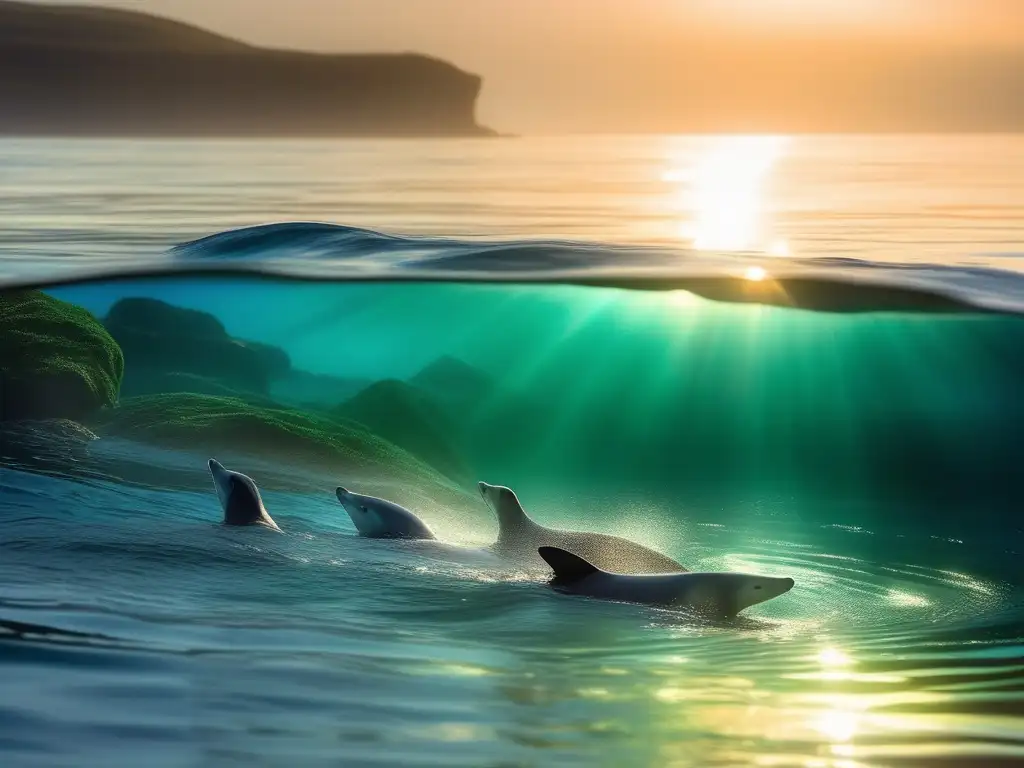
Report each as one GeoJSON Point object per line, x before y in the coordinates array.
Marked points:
{"type": "Point", "coordinates": [669, 65]}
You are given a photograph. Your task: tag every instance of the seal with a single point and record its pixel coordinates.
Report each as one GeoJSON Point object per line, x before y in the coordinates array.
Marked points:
{"type": "Point", "coordinates": [719, 595]}
{"type": "Point", "coordinates": [239, 498]}
{"type": "Point", "coordinates": [519, 538]}
{"type": "Point", "coordinates": [382, 519]}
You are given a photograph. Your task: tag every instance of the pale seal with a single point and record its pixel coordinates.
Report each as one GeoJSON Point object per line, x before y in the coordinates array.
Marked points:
{"type": "Point", "coordinates": [519, 538]}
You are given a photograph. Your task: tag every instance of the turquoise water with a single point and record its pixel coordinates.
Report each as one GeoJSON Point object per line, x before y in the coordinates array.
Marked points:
{"type": "Point", "coordinates": [869, 448]}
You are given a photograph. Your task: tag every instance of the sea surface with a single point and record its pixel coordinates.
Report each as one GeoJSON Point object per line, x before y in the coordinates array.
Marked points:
{"type": "Point", "coordinates": [791, 356]}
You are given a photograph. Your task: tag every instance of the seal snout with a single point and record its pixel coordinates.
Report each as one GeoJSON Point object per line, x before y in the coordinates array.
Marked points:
{"type": "Point", "coordinates": [221, 476]}
{"type": "Point", "coordinates": [341, 493]}
{"type": "Point", "coordinates": [788, 583]}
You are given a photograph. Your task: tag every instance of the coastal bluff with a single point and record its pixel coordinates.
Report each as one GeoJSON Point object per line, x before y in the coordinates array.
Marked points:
{"type": "Point", "coordinates": [93, 71]}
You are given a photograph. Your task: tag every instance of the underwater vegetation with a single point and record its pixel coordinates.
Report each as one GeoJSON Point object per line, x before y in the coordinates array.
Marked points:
{"type": "Point", "coordinates": [199, 386]}
{"type": "Point", "coordinates": [185, 420]}
{"type": "Point", "coordinates": [56, 359]}
{"type": "Point", "coordinates": [188, 384]}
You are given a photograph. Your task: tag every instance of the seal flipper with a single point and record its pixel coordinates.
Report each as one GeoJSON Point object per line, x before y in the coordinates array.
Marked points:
{"type": "Point", "coordinates": [568, 567]}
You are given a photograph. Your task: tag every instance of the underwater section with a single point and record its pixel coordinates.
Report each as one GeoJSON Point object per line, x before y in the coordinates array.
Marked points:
{"type": "Point", "coordinates": [871, 456]}
{"type": "Point", "coordinates": [910, 418]}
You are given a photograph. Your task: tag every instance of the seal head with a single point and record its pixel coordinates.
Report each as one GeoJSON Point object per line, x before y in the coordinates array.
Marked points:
{"type": "Point", "coordinates": [239, 498]}
{"type": "Point", "coordinates": [382, 519]}
{"type": "Point", "coordinates": [512, 518]}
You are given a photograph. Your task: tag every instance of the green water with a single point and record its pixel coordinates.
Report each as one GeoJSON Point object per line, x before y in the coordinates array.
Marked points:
{"type": "Point", "coordinates": [662, 392]}
{"type": "Point", "coordinates": [872, 457]}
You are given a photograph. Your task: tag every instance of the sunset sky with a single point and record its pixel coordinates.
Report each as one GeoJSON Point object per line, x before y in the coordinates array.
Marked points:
{"type": "Point", "coordinates": [625, 65]}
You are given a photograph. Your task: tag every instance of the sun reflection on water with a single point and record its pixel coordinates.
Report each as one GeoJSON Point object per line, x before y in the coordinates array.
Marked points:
{"type": "Point", "coordinates": [836, 724]}
{"type": "Point", "coordinates": [724, 198]}
{"type": "Point", "coordinates": [906, 599]}
{"type": "Point", "coordinates": [833, 657]}
{"type": "Point", "coordinates": [755, 274]}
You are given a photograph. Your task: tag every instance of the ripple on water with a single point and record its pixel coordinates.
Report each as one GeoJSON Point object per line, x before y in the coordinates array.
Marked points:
{"type": "Point", "coordinates": [337, 645]}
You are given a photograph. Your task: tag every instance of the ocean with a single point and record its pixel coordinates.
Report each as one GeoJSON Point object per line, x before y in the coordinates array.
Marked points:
{"type": "Point", "coordinates": [785, 356]}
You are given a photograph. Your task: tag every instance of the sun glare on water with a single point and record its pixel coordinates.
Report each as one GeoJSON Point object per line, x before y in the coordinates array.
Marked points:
{"type": "Point", "coordinates": [723, 195]}
{"type": "Point", "coordinates": [831, 658]}
{"type": "Point", "coordinates": [755, 274]}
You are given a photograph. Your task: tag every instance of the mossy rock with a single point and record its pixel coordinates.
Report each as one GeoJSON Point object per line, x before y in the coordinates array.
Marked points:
{"type": "Point", "coordinates": [409, 417]}
{"type": "Point", "coordinates": [210, 423]}
{"type": "Point", "coordinates": [57, 361]}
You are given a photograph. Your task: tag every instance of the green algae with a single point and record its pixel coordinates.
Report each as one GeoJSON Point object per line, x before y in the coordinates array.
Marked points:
{"type": "Point", "coordinates": [214, 423]}
{"type": "Point", "coordinates": [56, 359]}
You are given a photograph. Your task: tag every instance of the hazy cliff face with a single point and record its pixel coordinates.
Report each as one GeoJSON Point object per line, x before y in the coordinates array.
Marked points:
{"type": "Point", "coordinates": [69, 71]}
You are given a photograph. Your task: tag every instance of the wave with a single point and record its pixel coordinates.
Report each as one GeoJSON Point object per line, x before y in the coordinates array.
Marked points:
{"type": "Point", "coordinates": [310, 249]}
{"type": "Point", "coordinates": [331, 252]}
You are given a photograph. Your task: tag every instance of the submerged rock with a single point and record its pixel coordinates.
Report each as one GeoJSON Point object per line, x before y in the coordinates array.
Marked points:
{"type": "Point", "coordinates": [56, 360]}
{"type": "Point", "coordinates": [412, 419]}
{"type": "Point", "coordinates": [159, 339]}
{"type": "Point", "coordinates": [314, 390]}
{"type": "Point", "coordinates": [455, 382]}
{"type": "Point", "coordinates": [230, 425]}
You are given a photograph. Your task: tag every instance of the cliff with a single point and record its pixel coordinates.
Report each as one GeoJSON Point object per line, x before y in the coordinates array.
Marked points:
{"type": "Point", "coordinates": [95, 71]}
